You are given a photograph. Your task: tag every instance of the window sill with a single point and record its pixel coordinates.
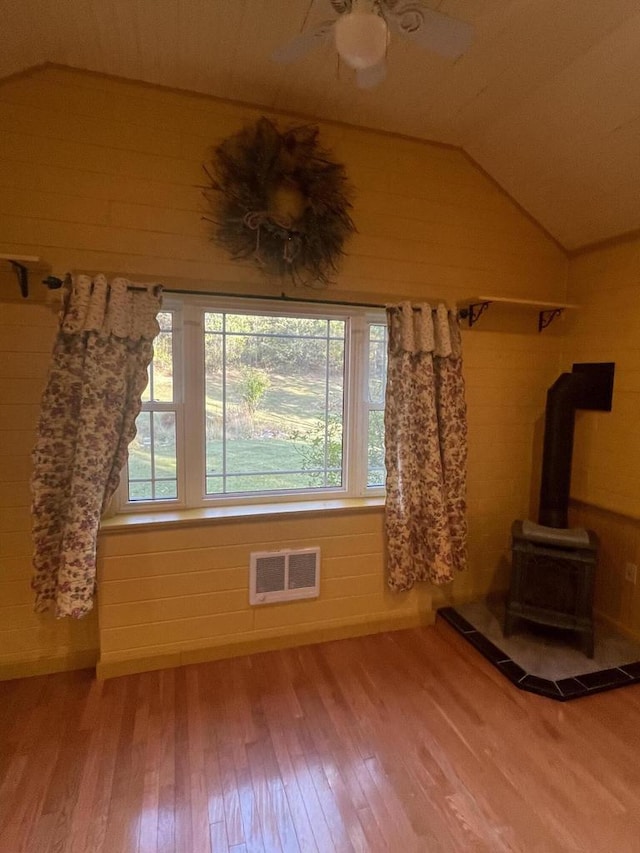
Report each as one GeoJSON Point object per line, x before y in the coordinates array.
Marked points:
{"type": "Point", "coordinates": [180, 518]}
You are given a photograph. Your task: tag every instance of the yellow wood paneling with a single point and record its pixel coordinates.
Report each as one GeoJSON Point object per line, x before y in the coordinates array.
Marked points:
{"type": "Point", "coordinates": [44, 122]}
{"type": "Point", "coordinates": [23, 340]}
{"type": "Point", "coordinates": [51, 205]}
{"type": "Point", "coordinates": [24, 147]}
{"type": "Point", "coordinates": [346, 530]}
{"type": "Point", "coordinates": [177, 630]}
{"type": "Point", "coordinates": [123, 196]}
{"type": "Point", "coordinates": [15, 544]}
{"type": "Point", "coordinates": [16, 441]}
{"type": "Point", "coordinates": [183, 582]}
{"type": "Point", "coordinates": [15, 591]}
{"type": "Point", "coordinates": [616, 600]}
{"type": "Point", "coordinates": [37, 664]}
{"type": "Point", "coordinates": [176, 607]}
{"type": "Point", "coordinates": [16, 468]}
{"type": "Point", "coordinates": [30, 644]}
{"type": "Point", "coordinates": [49, 638]}
{"type": "Point", "coordinates": [20, 391]}
{"type": "Point", "coordinates": [36, 316]}
{"type": "Point", "coordinates": [153, 566]}
{"type": "Point", "coordinates": [15, 519]}
{"type": "Point", "coordinates": [88, 184]}
{"type": "Point", "coordinates": [15, 494]}
{"type": "Point", "coordinates": [607, 328]}
{"type": "Point", "coordinates": [606, 471]}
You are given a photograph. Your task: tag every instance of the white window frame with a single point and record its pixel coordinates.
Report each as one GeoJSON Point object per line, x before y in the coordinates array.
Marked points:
{"type": "Point", "coordinates": [367, 405]}
{"type": "Point", "coordinates": [189, 389]}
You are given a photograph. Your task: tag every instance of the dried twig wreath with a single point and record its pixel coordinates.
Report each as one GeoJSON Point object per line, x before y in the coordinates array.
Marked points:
{"type": "Point", "coordinates": [279, 199]}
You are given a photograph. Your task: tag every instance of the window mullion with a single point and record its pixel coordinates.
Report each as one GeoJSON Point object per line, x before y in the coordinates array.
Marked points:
{"type": "Point", "coordinates": [152, 453]}
{"type": "Point", "coordinates": [327, 413]}
{"type": "Point", "coordinates": [369, 405]}
{"type": "Point", "coordinates": [354, 405]}
{"type": "Point", "coordinates": [224, 404]}
{"type": "Point", "coordinates": [178, 405]}
{"type": "Point", "coordinates": [193, 446]}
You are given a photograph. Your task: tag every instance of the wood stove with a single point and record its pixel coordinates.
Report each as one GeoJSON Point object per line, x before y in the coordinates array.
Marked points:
{"type": "Point", "coordinates": [553, 566]}
{"type": "Point", "coordinates": [552, 579]}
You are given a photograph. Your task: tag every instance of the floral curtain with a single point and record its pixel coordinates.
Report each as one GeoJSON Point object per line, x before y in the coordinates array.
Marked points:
{"type": "Point", "coordinates": [89, 407]}
{"type": "Point", "coordinates": [425, 447]}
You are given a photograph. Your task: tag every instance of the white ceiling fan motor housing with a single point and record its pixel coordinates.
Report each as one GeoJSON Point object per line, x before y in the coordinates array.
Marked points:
{"type": "Point", "coordinates": [361, 38]}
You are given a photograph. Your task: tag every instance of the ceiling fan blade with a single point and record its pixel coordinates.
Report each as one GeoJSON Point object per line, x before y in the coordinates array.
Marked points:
{"type": "Point", "coordinates": [429, 29]}
{"type": "Point", "coordinates": [368, 78]}
{"type": "Point", "coordinates": [302, 44]}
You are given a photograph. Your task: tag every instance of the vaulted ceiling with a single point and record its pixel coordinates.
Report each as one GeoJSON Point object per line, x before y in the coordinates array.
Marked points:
{"type": "Point", "coordinates": [546, 100]}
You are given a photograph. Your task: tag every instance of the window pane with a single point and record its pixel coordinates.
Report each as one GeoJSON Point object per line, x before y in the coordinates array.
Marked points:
{"type": "Point", "coordinates": [274, 402]}
{"type": "Point", "coordinates": [165, 490]}
{"type": "Point", "coordinates": [146, 394]}
{"type": "Point", "coordinates": [377, 362]}
{"type": "Point", "coordinates": [245, 483]}
{"type": "Point", "coordinates": [212, 322]}
{"type": "Point", "coordinates": [152, 458]}
{"type": "Point", "coordinates": [334, 424]}
{"type": "Point", "coordinates": [160, 385]}
{"type": "Point", "coordinates": [140, 467]}
{"type": "Point", "coordinates": [140, 490]}
{"type": "Point", "coordinates": [164, 455]}
{"type": "Point", "coordinates": [375, 450]}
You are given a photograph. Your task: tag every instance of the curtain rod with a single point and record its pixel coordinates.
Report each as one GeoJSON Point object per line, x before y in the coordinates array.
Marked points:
{"type": "Point", "coordinates": [53, 282]}
{"type": "Point", "coordinates": [281, 298]}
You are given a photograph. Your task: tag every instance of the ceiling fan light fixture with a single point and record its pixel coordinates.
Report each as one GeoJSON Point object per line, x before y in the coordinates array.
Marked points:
{"type": "Point", "coordinates": [361, 39]}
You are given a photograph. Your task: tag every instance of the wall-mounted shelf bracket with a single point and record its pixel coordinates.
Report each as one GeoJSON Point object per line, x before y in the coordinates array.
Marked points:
{"type": "Point", "coordinates": [21, 265]}
{"type": "Point", "coordinates": [474, 311]}
{"type": "Point", "coordinates": [545, 318]}
{"type": "Point", "coordinates": [22, 274]}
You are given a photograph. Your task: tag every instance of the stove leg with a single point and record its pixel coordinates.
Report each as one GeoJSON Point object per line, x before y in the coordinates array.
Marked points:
{"type": "Point", "coordinates": [588, 644]}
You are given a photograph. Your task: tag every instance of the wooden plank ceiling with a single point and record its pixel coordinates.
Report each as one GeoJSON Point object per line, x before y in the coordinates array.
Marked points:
{"type": "Point", "coordinates": [547, 99]}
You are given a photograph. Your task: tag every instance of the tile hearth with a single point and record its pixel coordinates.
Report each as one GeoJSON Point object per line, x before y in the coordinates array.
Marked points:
{"type": "Point", "coordinates": [542, 660]}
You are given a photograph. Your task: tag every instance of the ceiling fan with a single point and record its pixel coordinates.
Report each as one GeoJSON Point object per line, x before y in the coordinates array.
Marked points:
{"type": "Point", "coordinates": [361, 35]}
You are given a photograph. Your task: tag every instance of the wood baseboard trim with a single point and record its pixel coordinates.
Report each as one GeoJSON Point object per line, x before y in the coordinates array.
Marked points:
{"type": "Point", "coordinates": [46, 666]}
{"type": "Point", "coordinates": [113, 668]}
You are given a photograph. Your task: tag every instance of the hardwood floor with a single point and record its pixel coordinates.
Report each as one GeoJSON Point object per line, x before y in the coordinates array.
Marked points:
{"type": "Point", "coordinates": [407, 741]}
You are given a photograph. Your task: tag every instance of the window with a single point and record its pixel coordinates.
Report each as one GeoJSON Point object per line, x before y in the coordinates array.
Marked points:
{"type": "Point", "coordinates": [249, 403]}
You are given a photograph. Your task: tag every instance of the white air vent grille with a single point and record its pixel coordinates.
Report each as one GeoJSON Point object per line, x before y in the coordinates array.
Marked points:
{"type": "Point", "coordinates": [302, 570]}
{"type": "Point", "coordinates": [284, 575]}
{"type": "Point", "coordinates": [270, 574]}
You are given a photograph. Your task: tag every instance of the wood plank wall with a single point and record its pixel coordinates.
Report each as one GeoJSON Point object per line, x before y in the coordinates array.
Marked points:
{"type": "Point", "coordinates": [100, 174]}
{"type": "Point", "coordinates": [606, 465]}
{"type": "Point", "coordinates": [28, 644]}
{"type": "Point", "coordinates": [616, 600]}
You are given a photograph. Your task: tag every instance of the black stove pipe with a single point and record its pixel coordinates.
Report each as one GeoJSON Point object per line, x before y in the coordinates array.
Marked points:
{"type": "Point", "coordinates": [563, 398]}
